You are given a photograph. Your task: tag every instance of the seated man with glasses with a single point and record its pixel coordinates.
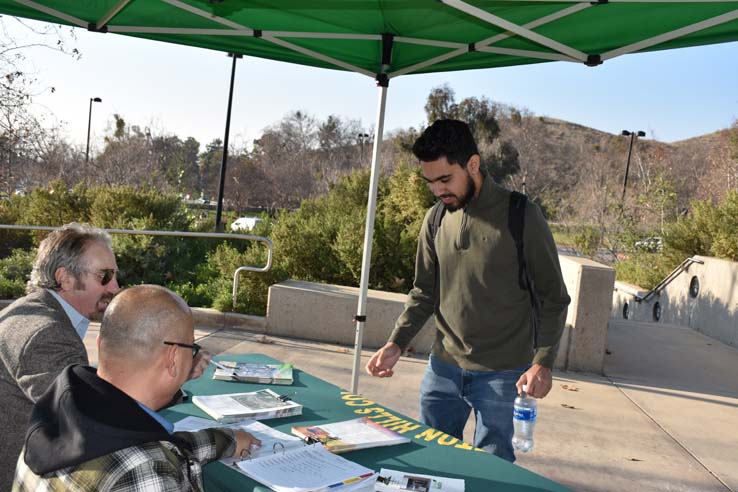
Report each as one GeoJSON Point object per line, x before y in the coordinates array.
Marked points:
{"type": "Point", "coordinates": [74, 278]}
{"type": "Point", "coordinates": [99, 430]}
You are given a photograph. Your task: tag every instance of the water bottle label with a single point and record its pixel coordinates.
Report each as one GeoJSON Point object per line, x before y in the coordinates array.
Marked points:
{"type": "Point", "coordinates": [525, 414]}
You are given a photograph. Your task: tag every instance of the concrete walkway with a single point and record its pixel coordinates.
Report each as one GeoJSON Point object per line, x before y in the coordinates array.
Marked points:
{"type": "Point", "coordinates": [663, 417]}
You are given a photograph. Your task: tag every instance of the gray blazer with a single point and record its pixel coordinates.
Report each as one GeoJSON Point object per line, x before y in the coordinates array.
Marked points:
{"type": "Point", "coordinates": [37, 341]}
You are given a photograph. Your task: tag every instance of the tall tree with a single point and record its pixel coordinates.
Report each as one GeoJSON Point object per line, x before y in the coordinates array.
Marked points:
{"type": "Point", "coordinates": [499, 157]}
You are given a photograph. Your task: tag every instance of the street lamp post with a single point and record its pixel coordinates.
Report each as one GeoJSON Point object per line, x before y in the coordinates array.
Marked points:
{"type": "Point", "coordinates": [89, 124]}
{"type": "Point", "coordinates": [632, 136]}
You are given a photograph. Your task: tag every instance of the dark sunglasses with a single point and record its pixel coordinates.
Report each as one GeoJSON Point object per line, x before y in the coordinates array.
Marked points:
{"type": "Point", "coordinates": [105, 275]}
{"type": "Point", "coordinates": [195, 347]}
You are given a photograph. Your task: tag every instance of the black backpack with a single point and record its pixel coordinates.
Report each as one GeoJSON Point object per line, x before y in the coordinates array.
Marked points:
{"type": "Point", "coordinates": [516, 225]}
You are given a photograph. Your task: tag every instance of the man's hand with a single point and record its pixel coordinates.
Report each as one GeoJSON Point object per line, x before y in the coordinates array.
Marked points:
{"type": "Point", "coordinates": [382, 362]}
{"type": "Point", "coordinates": [539, 381]}
{"type": "Point", "coordinates": [199, 364]}
{"type": "Point", "coordinates": [245, 442]}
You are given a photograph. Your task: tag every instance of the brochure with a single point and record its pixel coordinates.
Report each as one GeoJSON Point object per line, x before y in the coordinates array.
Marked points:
{"type": "Point", "coordinates": [361, 433]}
{"type": "Point", "coordinates": [393, 480]}
{"type": "Point", "coordinates": [250, 372]}
{"type": "Point", "coordinates": [262, 404]}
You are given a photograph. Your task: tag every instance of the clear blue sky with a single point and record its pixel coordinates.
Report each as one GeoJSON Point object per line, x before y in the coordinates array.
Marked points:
{"type": "Point", "coordinates": [671, 95]}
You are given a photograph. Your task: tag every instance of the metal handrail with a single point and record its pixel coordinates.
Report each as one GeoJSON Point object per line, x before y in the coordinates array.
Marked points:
{"type": "Point", "coordinates": [216, 235]}
{"type": "Point", "coordinates": [668, 279]}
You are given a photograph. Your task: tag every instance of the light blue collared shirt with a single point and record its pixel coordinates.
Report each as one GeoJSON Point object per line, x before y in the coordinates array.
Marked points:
{"type": "Point", "coordinates": [168, 426]}
{"type": "Point", "coordinates": [79, 322]}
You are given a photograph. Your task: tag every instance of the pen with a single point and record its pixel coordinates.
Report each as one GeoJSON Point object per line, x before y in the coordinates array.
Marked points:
{"type": "Point", "coordinates": [220, 366]}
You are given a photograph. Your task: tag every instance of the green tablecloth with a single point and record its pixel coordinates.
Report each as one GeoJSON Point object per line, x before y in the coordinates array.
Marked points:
{"type": "Point", "coordinates": [430, 452]}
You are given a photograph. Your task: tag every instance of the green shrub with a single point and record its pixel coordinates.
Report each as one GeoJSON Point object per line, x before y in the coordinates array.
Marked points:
{"type": "Point", "coordinates": [710, 229]}
{"type": "Point", "coordinates": [200, 295]}
{"type": "Point", "coordinates": [588, 239]}
{"type": "Point", "coordinates": [643, 269]}
{"type": "Point", "coordinates": [55, 205]}
{"type": "Point", "coordinates": [15, 271]}
{"type": "Point", "coordinates": [10, 213]}
{"type": "Point", "coordinates": [253, 286]}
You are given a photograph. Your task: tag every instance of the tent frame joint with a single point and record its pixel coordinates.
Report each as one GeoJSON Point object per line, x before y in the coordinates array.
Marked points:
{"type": "Point", "coordinates": [472, 47]}
{"type": "Point", "coordinates": [92, 27]}
{"type": "Point", "coordinates": [257, 33]}
{"type": "Point", "coordinates": [382, 80]}
{"type": "Point", "coordinates": [593, 60]}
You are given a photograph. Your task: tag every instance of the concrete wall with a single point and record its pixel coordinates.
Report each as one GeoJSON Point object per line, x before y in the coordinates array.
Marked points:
{"type": "Point", "coordinates": [323, 313]}
{"type": "Point", "coordinates": [714, 311]}
{"type": "Point", "coordinates": [590, 287]}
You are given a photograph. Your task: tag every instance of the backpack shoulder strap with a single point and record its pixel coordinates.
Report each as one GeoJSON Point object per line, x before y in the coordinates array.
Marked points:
{"type": "Point", "coordinates": [436, 216]}
{"type": "Point", "coordinates": [516, 225]}
{"type": "Point", "coordinates": [434, 222]}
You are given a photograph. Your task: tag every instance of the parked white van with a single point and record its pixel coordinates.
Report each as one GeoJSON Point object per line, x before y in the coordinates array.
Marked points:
{"type": "Point", "coordinates": [244, 224]}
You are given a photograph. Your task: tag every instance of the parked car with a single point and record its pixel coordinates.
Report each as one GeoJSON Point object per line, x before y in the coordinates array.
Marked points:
{"type": "Point", "coordinates": [650, 244]}
{"type": "Point", "coordinates": [245, 224]}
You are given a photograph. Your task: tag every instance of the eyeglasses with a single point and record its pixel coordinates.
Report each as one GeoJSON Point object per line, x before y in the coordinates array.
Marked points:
{"type": "Point", "coordinates": [195, 347]}
{"type": "Point", "coordinates": [104, 274]}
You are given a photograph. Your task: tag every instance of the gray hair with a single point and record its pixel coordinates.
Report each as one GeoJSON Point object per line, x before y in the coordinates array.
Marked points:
{"type": "Point", "coordinates": [64, 248]}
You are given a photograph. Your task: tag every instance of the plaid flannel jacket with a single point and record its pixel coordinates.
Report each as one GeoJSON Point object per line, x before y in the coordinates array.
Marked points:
{"type": "Point", "coordinates": [158, 466]}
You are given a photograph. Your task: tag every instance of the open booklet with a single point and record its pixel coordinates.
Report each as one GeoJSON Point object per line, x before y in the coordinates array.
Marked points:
{"type": "Point", "coordinates": [250, 372]}
{"type": "Point", "coordinates": [360, 433]}
{"type": "Point", "coordinates": [262, 404]}
{"type": "Point", "coordinates": [392, 480]}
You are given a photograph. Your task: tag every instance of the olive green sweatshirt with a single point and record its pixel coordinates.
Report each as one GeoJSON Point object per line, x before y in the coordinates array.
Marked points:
{"type": "Point", "coordinates": [484, 319]}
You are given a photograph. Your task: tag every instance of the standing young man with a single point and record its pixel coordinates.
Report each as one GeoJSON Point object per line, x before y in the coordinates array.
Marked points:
{"type": "Point", "coordinates": [467, 274]}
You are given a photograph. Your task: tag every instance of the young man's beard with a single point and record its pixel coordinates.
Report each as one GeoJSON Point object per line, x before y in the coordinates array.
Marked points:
{"type": "Point", "coordinates": [465, 198]}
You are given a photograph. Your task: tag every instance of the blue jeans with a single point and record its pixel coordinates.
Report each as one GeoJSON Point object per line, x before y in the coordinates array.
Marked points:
{"type": "Point", "coordinates": [449, 393]}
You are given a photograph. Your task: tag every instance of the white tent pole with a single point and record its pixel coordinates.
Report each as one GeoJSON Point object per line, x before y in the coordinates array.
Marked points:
{"type": "Point", "coordinates": [371, 209]}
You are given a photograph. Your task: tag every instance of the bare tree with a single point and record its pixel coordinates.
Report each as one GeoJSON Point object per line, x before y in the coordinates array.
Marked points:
{"type": "Point", "coordinates": [21, 133]}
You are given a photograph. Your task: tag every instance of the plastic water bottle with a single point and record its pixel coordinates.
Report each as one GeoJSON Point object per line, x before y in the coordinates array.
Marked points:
{"type": "Point", "coordinates": [524, 419]}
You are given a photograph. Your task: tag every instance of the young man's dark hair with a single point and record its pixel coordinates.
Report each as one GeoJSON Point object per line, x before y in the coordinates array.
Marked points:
{"type": "Point", "coordinates": [452, 139]}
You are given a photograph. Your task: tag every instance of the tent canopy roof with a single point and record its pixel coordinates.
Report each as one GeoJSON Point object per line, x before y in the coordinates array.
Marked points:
{"type": "Point", "coordinates": [387, 38]}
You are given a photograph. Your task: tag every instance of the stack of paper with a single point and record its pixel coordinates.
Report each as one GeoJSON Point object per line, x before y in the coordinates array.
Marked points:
{"type": "Point", "coordinates": [307, 469]}
{"type": "Point", "coordinates": [249, 372]}
{"type": "Point", "coordinates": [262, 404]}
{"type": "Point", "coordinates": [350, 435]}
{"type": "Point", "coordinates": [271, 439]}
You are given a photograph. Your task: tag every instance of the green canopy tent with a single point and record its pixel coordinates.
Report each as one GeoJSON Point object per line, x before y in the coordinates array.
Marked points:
{"type": "Point", "coordinates": [383, 39]}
